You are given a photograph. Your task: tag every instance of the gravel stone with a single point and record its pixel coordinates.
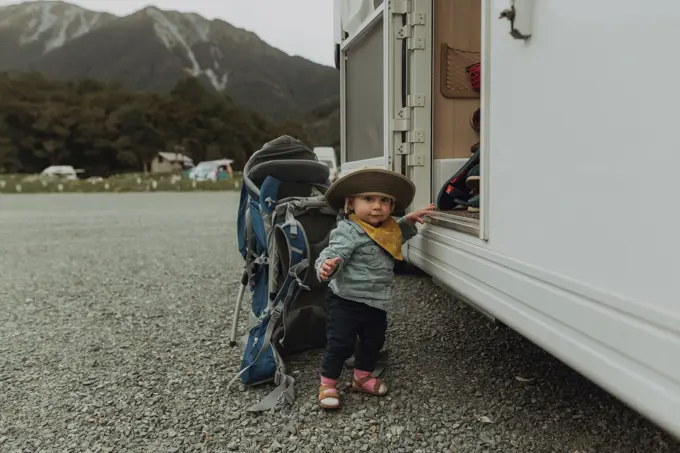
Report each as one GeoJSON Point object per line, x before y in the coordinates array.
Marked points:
{"type": "Point", "coordinates": [116, 313]}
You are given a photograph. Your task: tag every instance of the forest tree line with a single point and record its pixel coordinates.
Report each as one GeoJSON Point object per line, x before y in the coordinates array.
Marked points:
{"type": "Point", "coordinates": [104, 128]}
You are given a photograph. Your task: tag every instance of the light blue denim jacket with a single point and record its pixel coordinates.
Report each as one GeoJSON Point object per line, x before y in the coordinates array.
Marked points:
{"type": "Point", "coordinates": [366, 271]}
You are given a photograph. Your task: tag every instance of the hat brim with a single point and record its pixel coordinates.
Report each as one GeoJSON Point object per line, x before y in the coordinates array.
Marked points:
{"type": "Point", "coordinates": [371, 180]}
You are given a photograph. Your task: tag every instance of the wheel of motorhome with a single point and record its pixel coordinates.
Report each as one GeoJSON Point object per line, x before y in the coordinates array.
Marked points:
{"type": "Point", "coordinates": [494, 113]}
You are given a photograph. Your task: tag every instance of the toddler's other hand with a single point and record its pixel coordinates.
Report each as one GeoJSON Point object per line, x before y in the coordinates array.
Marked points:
{"type": "Point", "coordinates": [328, 267]}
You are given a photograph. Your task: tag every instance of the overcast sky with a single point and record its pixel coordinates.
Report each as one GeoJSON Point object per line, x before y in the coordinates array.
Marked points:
{"type": "Point", "coordinates": [298, 27]}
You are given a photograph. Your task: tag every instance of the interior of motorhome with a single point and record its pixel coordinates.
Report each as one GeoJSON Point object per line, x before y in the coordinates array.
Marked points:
{"type": "Point", "coordinates": [455, 103]}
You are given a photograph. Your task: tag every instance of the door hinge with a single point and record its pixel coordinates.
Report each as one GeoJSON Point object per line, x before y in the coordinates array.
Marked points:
{"type": "Point", "coordinates": [415, 43]}
{"type": "Point", "coordinates": [414, 19]}
{"type": "Point", "coordinates": [401, 125]}
{"type": "Point", "coordinates": [415, 137]}
{"type": "Point", "coordinates": [398, 6]}
{"type": "Point", "coordinates": [404, 32]}
{"type": "Point", "coordinates": [403, 149]}
{"type": "Point", "coordinates": [416, 160]}
{"type": "Point", "coordinates": [415, 100]}
{"type": "Point", "coordinates": [404, 113]}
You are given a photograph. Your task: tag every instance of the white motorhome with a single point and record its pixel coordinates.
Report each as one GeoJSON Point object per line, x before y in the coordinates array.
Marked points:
{"type": "Point", "coordinates": [569, 247]}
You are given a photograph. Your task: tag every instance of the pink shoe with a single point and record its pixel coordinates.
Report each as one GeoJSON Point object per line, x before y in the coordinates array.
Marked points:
{"type": "Point", "coordinates": [364, 385]}
{"type": "Point", "coordinates": [328, 397]}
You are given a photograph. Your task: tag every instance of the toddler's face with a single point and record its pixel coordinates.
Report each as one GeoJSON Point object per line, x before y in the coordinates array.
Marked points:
{"type": "Point", "coordinates": [372, 209]}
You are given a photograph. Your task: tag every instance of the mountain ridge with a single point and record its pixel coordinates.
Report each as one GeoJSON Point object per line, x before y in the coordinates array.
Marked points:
{"type": "Point", "coordinates": [151, 49]}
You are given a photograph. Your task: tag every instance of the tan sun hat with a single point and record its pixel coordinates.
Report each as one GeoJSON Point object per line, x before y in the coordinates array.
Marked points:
{"type": "Point", "coordinates": [371, 180]}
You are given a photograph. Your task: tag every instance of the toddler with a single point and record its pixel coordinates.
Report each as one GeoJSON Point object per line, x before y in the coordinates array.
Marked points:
{"type": "Point", "coordinates": [359, 262]}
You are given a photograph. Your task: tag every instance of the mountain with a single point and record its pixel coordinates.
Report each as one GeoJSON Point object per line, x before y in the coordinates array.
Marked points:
{"type": "Point", "coordinates": [30, 30]}
{"type": "Point", "coordinates": [151, 49]}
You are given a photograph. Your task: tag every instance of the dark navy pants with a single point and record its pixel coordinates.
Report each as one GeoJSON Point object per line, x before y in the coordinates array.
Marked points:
{"type": "Point", "coordinates": [345, 321]}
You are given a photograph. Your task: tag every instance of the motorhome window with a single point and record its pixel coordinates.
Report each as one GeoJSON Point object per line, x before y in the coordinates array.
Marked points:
{"type": "Point", "coordinates": [364, 96]}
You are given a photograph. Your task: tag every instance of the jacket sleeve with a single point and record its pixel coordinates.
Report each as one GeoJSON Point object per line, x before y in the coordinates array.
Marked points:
{"type": "Point", "coordinates": [407, 230]}
{"type": "Point", "coordinates": [341, 244]}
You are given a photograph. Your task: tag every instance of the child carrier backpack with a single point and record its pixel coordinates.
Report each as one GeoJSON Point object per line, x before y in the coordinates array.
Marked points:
{"type": "Point", "coordinates": [283, 224]}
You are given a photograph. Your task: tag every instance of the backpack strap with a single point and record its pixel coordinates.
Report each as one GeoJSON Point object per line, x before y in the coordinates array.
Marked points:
{"type": "Point", "coordinates": [285, 388]}
{"type": "Point", "coordinates": [286, 383]}
{"type": "Point", "coordinates": [249, 240]}
{"type": "Point", "coordinates": [269, 195]}
{"type": "Point", "coordinates": [298, 257]}
{"type": "Point", "coordinates": [298, 250]}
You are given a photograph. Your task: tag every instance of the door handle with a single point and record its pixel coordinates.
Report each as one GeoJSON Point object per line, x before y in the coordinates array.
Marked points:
{"type": "Point", "coordinates": [520, 15]}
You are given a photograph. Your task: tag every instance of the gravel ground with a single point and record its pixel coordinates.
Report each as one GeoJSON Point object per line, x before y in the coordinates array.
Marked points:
{"type": "Point", "coordinates": [114, 331]}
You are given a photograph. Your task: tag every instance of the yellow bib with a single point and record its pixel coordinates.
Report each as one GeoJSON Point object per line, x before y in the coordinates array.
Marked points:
{"type": "Point", "coordinates": [388, 235]}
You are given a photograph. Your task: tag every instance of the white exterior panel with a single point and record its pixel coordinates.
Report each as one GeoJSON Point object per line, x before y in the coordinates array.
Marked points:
{"type": "Point", "coordinates": [577, 247]}
{"type": "Point", "coordinates": [580, 255]}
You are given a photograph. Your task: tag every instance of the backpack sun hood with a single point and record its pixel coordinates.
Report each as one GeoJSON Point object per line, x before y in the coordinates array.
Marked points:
{"type": "Point", "coordinates": [287, 159]}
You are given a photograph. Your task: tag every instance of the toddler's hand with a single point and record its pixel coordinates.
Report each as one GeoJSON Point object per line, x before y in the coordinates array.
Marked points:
{"type": "Point", "coordinates": [418, 215]}
{"type": "Point", "coordinates": [328, 267]}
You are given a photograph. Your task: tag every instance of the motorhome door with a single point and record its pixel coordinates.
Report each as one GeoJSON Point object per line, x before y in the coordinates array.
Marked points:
{"type": "Point", "coordinates": [363, 84]}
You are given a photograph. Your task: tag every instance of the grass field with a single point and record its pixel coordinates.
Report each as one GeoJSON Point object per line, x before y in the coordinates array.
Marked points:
{"type": "Point", "coordinates": [129, 182]}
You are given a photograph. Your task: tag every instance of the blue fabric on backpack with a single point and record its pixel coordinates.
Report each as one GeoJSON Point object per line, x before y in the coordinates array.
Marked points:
{"type": "Point", "coordinates": [269, 194]}
{"type": "Point", "coordinates": [260, 291]}
{"type": "Point", "coordinates": [260, 245]}
{"type": "Point", "coordinates": [263, 369]}
{"type": "Point", "coordinates": [241, 221]}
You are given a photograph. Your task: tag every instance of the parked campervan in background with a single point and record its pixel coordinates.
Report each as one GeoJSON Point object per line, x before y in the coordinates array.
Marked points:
{"type": "Point", "coordinates": [544, 101]}
{"type": "Point", "coordinates": [212, 170]}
